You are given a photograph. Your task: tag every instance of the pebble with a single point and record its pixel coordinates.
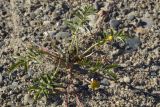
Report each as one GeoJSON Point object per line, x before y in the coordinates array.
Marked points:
{"type": "Point", "coordinates": [114, 53]}
{"type": "Point", "coordinates": [126, 79]}
{"type": "Point", "coordinates": [2, 89]}
{"type": "Point", "coordinates": [126, 11]}
{"type": "Point", "coordinates": [46, 23]}
{"type": "Point", "coordinates": [158, 105]}
{"type": "Point", "coordinates": [112, 84]}
{"type": "Point", "coordinates": [62, 35]}
{"type": "Point", "coordinates": [1, 78]}
{"type": "Point", "coordinates": [153, 73]}
{"type": "Point", "coordinates": [43, 101]}
{"type": "Point", "coordinates": [3, 96]}
{"type": "Point", "coordinates": [155, 68]}
{"type": "Point", "coordinates": [98, 5]}
{"type": "Point", "coordinates": [104, 81]}
{"type": "Point", "coordinates": [24, 38]}
{"type": "Point", "coordinates": [19, 97]}
{"type": "Point", "coordinates": [1, 68]}
{"type": "Point", "coordinates": [14, 85]}
{"type": "Point", "coordinates": [114, 23]}
{"type": "Point", "coordinates": [133, 43]}
{"type": "Point", "coordinates": [30, 72]}
{"type": "Point", "coordinates": [32, 15]}
{"type": "Point", "coordinates": [139, 87]}
{"type": "Point", "coordinates": [131, 16]}
{"type": "Point", "coordinates": [2, 43]}
{"type": "Point", "coordinates": [50, 33]}
{"type": "Point", "coordinates": [26, 99]}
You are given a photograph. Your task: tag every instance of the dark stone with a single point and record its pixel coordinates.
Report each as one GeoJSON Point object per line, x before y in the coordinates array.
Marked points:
{"type": "Point", "coordinates": [114, 23]}
{"type": "Point", "coordinates": [153, 73]}
{"type": "Point", "coordinates": [126, 11]}
{"type": "Point", "coordinates": [142, 23]}
{"type": "Point", "coordinates": [65, 6]}
{"type": "Point", "coordinates": [115, 14]}
{"type": "Point", "coordinates": [4, 13]}
{"type": "Point", "coordinates": [99, 5]}
{"type": "Point", "coordinates": [4, 96]}
{"type": "Point", "coordinates": [1, 68]}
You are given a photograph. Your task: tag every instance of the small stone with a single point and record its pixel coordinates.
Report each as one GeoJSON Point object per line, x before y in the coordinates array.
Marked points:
{"type": "Point", "coordinates": [32, 15]}
{"type": "Point", "coordinates": [98, 5]}
{"type": "Point", "coordinates": [1, 78]}
{"type": "Point", "coordinates": [102, 87]}
{"type": "Point", "coordinates": [4, 96]}
{"type": "Point", "coordinates": [153, 73]}
{"type": "Point", "coordinates": [126, 11]}
{"type": "Point", "coordinates": [158, 105]}
{"type": "Point", "coordinates": [62, 35]}
{"type": "Point", "coordinates": [1, 68]}
{"type": "Point", "coordinates": [155, 68]}
{"type": "Point", "coordinates": [14, 85]}
{"type": "Point", "coordinates": [24, 78]}
{"type": "Point", "coordinates": [123, 65]}
{"type": "Point", "coordinates": [153, 82]}
{"type": "Point", "coordinates": [121, 80]}
{"type": "Point", "coordinates": [24, 38]}
{"type": "Point", "coordinates": [46, 23]}
{"type": "Point", "coordinates": [114, 52]}
{"type": "Point", "coordinates": [19, 96]}
{"type": "Point", "coordinates": [2, 43]}
{"type": "Point", "coordinates": [112, 84]}
{"type": "Point", "coordinates": [126, 79]}
{"type": "Point", "coordinates": [2, 89]}
{"type": "Point", "coordinates": [10, 104]}
{"type": "Point", "coordinates": [49, 33]}
{"type": "Point", "coordinates": [115, 23]}
{"type": "Point", "coordinates": [26, 99]}
{"type": "Point", "coordinates": [38, 11]}
{"type": "Point", "coordinates": [104, 81]}
{"type": "Point", "coordinates": [55, 15]}
{"type": "Point", "coordinates": [43, 100]}
{"type": "Point", "coordinates": [30, 72]}
{"type": "Point", "coordinates": [131, 16]}
{"type": "Point", "coordinates": [33, 23]}
{"type": "Point", "coordinates": [133, 43]}
{"type": "Point", "coordinates": [147, 15]}
{"type": "Point", "coordinates": [139, 87]}
{"type": "Point", "coordinates": [65, 7]}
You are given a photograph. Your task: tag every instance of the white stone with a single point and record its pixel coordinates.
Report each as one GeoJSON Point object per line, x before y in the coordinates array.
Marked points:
{"type": "Point", "coordinates": [126, 79]}
{"type": "Point", "coordinates": [46, 23]}
{"type": "Point", "coordinates": [26, 99]}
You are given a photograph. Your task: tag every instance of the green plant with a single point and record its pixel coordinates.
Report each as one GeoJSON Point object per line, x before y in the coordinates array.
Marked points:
{"type": "Point", "coordinates": [48, 83]}
{"type": "Point", "coordinates": [45, 85]}
{"type": "Point", "coordinates": [98, 66]}
{"type": "Point", "coordinates": [112, 35]}
{"type": "Point", "coordinates": [120, 35]}
{"type": "Point", "coordinates": [79, 21]}
{"type": "Point", "coordinates": [25, 61]}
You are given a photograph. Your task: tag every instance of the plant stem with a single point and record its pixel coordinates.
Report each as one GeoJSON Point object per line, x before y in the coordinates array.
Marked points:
{"type": "Point", "coordinates": [91, 47]}
{"type": "Point", "coordinates": [76, 40]}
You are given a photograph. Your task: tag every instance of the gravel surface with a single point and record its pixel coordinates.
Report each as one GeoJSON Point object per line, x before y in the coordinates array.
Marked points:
{"type": "Point", "coordinates": [138, 85]}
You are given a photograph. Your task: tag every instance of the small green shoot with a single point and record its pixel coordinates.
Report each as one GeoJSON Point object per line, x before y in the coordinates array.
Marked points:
{"type": "Point", "coordinates": [44, 85]}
